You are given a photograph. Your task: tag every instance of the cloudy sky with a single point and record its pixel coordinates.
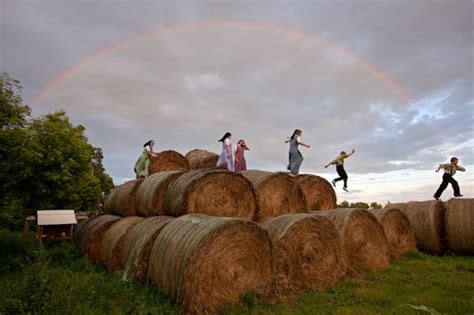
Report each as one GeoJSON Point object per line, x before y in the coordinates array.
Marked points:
{"type": "Point", "coordinates": [392, 79]}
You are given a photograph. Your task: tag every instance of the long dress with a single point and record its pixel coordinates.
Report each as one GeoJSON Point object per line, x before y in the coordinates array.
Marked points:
{"type": "Point", "coordinates": [142, 165]}
{"type": "Point", "coordinates": [224, 158]}
{"type": "Point", "coordinates": [295, 157]}
{"type": "Point", "coordinates": [240, 163]}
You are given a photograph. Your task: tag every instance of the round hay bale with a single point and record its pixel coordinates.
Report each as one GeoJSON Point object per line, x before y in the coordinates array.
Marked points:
{"type": "Point", "coordinates": [318, 192]}
{"type": "Point", "coordinates": [90, 234]}
{"type": "Point", "coordinates": [219, 193]}
{"type": "Point", "coordinates": [460, 225]}
{"type": "Point", "coordinates": [205, 263]}
{"type": "Point", "coordinates": [121, 201]}
{"type": "Point", "coordinates": [308, 253]}
{"type": "Point", "coordinates": [112, 243]}
{"type": "Point", "coordinates": [137, 243]}
{"type": "Point", "coordinates": [150, 195]}
{"type": "Point", "coordinates": [427, 221]}
{"type": "Point", "coordinates": [363, 238]}
{"type": "Point", "coordinates": [398, 231]}
{"type": "Point", "coordinates": [110, 200]}
{"type": "Point", "coordinates": [201, 159]}
{"type": "Point", "coordinates": [168, 161]}
{"type": "Point", "coordinates": [277, 193]}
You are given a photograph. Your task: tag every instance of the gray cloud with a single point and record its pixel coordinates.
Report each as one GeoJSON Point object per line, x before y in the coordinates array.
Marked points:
{"type": "Point", "coordinates": [186, 88]}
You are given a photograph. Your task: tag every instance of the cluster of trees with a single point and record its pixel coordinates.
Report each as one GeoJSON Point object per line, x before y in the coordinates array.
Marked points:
{"type": "Point", "coordinates": [359, 205]}
{"type": "Point", "coordinates": [46, 162]}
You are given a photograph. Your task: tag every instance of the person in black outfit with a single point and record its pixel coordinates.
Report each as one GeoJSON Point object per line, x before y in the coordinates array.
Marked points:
{"type": "Point", "coordinates": [449, 171]}
{"type": "Point", "coordinates": [339, 162]}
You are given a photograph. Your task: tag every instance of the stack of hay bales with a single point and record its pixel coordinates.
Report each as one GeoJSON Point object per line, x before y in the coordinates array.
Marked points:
{"type": "Point", "coordinates": [174, 193]}
{"type": "Point", "coordinates": [398, 230]}
{"type": "Point", "coordinates": [206, 263]}
{"type": "Point", "coordinates": [218, 193]}
{"type": "Point", "coordinates": [198, 158]}
{"type": "Point", "coordinates": [318, 192]}
{"type": "Point", "coordinates": [277, 194]}
{"type": "Point", "coordinates": [428, 221]}
{"type": "Point", "coordinates": [363, 238]}
{"type": "Point", "coordinates": [441, 227]}
{"type": "Point", "coordinates": [149, 198]}
{"type": "Point", "coordinates": [168, 161]}
{"type": "Point", "coordinates": [307, 253]}
{"type": "Point", "coordinates": [121, 200]}
{"type": "Point", "coordinates": [137, 245]}
{"type": "Point", "coordinates": [90, 234]}
{"type": "Point", "coordinates": [196, 241]}
{"type": "Point", "coordinates": [460, 225]}
{"type": "Point", "coordinates": [112, 243]}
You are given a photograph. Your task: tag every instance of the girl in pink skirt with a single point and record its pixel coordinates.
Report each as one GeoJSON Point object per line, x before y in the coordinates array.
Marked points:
{"type": "Point", "coordinates": [240, 163]}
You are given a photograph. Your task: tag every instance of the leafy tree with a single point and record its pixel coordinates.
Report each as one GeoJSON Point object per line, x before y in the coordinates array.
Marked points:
{"type": "Point", "coordinates": [343, 204]}
{"type": "Point", "coordinates": [106, 182]}
{"type": "Point", "coordinates": [13, 114]}
{"type": "Point", "coordinates": [360, 205]}
{"type": "Point", "coordinates": [45, 163]}
{"type": "Point", "coordinates": [375, 205]}
{"type": "Point", "coordinates": [13, 140]}
{"type": "Point", "coordinates": [62, 166]}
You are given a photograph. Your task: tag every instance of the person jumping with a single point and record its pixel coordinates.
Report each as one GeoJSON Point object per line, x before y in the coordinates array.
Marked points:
{"type": "Point", "coordinates": [449, 171]}
{"type": "Point", "coordinates": [339, 162]}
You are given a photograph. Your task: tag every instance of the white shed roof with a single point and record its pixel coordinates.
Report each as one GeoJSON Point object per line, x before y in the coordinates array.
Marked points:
{"type": "Point", "coordinates": [56, 217]}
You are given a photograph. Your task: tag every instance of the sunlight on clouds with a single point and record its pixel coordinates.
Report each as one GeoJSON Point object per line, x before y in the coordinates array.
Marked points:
{"type": "Point", "coordinates": [432, 107]}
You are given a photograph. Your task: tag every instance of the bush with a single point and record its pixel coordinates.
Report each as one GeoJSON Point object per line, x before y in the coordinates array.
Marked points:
{"type": "Point", "coordinates": [16, 250]}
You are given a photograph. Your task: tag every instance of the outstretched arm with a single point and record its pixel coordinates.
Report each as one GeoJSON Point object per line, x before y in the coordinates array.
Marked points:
{"type": "Point", "coordinates": [303, 144]}
{"type": "Point", "coordinates": [347, 155]}
{"type": "Point", "coordinates": [287, 139]}
{"type": "Point", "coordinates": [439, 167]}
{"type": "Point", "coordinates": [461, 168]}
{"type": "Point", "coordinates": [330, 163]}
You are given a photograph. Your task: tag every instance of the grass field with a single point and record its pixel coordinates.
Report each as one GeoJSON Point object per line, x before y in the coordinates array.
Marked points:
{"type": "Point", "coordinates": [56, 280]}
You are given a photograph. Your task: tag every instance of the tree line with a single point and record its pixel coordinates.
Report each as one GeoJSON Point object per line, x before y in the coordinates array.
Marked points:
{"type": "Point", "coordinates": [45, 162]}
{"type": "Point", "coordinates": [359, 205]}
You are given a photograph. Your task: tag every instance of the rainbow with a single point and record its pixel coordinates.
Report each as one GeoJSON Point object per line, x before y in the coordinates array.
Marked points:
{"type": "Point", "coordinates": [124, 44]}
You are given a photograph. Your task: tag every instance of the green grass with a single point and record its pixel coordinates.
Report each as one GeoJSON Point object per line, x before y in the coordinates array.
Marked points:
{"type": "Point", "coordinates": [56, 280]}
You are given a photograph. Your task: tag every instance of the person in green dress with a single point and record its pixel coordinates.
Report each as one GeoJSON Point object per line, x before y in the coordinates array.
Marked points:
{"type": "Point", "coordinates": [142, 165]}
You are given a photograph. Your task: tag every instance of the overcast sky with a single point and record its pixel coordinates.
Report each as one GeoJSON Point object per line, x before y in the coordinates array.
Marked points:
{"type": "Point", "coordinates": [392, 79]}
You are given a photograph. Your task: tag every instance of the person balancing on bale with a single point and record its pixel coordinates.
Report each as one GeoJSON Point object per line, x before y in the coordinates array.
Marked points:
{"type": "Point", "coordinates": [240, 163]}
{"type": "Point", "coordinates": [226, 153]}
{"type": "Point", "coordinates": [295, 156]}
{"type": "Point", "coordinates": [449, 171]}
{"type": "Point", "coordinates": [339, 162]}
{"type": "Point", "coordinates": [142, 165]}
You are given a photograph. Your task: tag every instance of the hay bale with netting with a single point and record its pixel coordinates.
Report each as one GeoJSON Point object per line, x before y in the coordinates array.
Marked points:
{"type": "Point", "coordinates": [137, 243]}
{"type": "Point", "coordinates": [90, 234]}
{"type": "Point", "coordinates": [201, 159]}
{"type": "Point", "coordinates": [111, 246]}
{"type": "Point", "coordinates": [150, 195]}
{"type": "Point", "coordinates": [121, 201]}
{"type": "Point", "coordinates": [219, 193]}
{"type": "Point", "coordinates": [168, 161]}
{"type": "Point", "coordinates": [318, 192]}
{"type": "Point", "coordinates": [206, 263]}
{"type": "Point", "coordinates": [460, 225]}
{"type": "Point", "coordinates": [363, 238]}
{"type": "Point", "coordinates": [308, 253]}
{"type": "Point", "coordinates": [398, 231]}
{"type": "Point", "coordinates": [427, 219]}
{"type": "Point", "coordinates": [277, 194]}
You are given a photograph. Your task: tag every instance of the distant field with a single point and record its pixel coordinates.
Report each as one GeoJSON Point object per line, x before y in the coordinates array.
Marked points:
{"type": "Point", "coordinates": [56, 280]}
